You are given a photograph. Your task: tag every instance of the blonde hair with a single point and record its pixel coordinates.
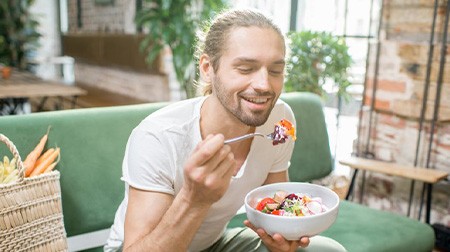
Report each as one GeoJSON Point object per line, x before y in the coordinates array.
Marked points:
{"type": "Point", "coordinates": [213, 41]}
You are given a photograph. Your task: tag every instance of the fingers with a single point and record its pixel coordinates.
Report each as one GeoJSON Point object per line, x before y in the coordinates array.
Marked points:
{"type": "Point", "coordinates": [249, 225]}
{"type": "Point", "coordinates": [208, 147]}
{"type": "Point", "coordinates": [205, 150]}
{"type": "Point", "coordinates": [304, 242]}
{"type": "Point", "coordinates": [267, 239]}
{"type": "Point", "coordinates": [261, 233]}
{"type": "Point", "coordinates": [203, 142]}
{"type": "Point", "coordinates": [220, 164]}
{"type": "Point", "coordinates": [211, 161]}
{"type": "Point", "coordinates": [290, 245]}
{"type": "Point", "coordinates": [277, 240]}
{"type": "Point", "coordinates": [222, 171]}
{"type": "Point", "coordinates": [286, 245]}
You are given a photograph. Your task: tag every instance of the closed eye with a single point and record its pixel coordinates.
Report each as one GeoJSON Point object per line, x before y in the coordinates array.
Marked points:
{"type": "Point", "coordinates": [245, 70]}
{"type": "Point", "coordinates": [275, 73]}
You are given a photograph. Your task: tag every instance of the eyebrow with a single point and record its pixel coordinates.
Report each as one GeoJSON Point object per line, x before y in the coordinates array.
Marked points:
{"type": "Point", "coordinates": [250, 60]}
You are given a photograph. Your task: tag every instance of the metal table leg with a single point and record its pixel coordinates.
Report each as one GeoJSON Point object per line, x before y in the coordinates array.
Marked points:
{"type": "Point", "coordinates": [429, 198]}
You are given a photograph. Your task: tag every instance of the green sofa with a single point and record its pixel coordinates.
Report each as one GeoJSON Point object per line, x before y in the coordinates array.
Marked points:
{"type": "Point", "coordinates": [92, 143]}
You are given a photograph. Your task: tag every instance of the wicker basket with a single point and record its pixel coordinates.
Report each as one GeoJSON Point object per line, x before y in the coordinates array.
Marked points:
{"type": "Point", "coordinates": [31, 212]}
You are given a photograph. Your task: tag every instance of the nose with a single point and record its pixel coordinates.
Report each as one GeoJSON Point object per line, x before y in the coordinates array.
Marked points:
{"type": "Point", "coordinates": [261, 81]}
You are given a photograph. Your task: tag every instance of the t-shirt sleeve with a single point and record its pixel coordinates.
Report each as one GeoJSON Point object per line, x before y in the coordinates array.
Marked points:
{"type": "Point", "coordinates": [284, 151]}
{"type": "Point", "coordinates": [147, 164]}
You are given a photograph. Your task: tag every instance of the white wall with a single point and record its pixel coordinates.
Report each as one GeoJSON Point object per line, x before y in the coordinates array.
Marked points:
{"type": "Point", "coordinates": [46, 13]}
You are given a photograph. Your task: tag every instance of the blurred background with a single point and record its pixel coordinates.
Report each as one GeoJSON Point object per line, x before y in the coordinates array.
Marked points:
{"type": "Point", "coordinates": [380, 67]}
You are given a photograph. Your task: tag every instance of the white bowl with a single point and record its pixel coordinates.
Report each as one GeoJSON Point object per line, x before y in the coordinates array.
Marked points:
{"type": "Point", "coordinates": [292, 228]}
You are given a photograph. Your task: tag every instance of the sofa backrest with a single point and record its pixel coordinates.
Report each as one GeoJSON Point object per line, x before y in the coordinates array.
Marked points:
{"type": "Point", "coordinates": [312, 157]}
{"type": "Point", "coordinates": [93, 141]}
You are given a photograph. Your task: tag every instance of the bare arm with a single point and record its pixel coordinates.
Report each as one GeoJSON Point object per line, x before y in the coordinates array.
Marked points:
{"type": "Point", "coordinates": [277, 177]}
{"type": "Point", "coordinates": [155, 220]}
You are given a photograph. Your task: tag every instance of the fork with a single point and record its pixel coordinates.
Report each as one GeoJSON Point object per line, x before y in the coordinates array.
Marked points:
{"type": "Point", "coordinates": [243, 137]}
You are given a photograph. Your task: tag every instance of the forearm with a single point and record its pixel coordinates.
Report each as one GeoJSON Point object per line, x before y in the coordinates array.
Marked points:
{"type": "Point", "coordinates": [180, 223]}
{"type": "Point", "coordinates": [277, 177]}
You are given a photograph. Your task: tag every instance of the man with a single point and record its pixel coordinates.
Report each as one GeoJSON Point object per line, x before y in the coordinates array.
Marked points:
{"type": "Point", "coordinates": [183, 184]}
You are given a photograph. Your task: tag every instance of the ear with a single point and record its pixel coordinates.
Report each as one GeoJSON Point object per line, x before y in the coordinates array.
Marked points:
{"type": "Point", "coordinates": [206, 69]}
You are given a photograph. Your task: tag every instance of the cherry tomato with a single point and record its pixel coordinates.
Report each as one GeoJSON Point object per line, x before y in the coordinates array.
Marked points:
{"type": "Point", "coordinates": [262, 203]}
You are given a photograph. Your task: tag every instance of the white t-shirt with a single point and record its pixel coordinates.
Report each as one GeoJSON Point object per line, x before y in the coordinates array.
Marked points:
{"type": "Point", "coordinates": [160, 145]}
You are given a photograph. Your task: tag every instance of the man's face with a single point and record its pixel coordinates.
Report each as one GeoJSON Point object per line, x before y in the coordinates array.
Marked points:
{"type": "Point", "coordinates": [251, 73]}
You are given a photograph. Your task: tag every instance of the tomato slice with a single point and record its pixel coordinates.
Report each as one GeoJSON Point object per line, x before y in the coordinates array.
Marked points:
{"type": "Point", "coordinates": [276, 212]}
{"type": "Point", "coordinates": [262, 203]}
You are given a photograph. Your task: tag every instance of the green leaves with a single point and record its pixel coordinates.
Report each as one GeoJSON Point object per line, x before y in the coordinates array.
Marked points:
{"type": "Point", "coordinates": [315, 58]}
{"type": "Point", "coordinates": [18, 32]}
{"type": "Point", "coordinates": [174, 23]}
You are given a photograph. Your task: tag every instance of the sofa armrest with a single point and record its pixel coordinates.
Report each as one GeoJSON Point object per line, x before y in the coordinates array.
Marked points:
{"type": "Point", "coordinates": [96, 239]}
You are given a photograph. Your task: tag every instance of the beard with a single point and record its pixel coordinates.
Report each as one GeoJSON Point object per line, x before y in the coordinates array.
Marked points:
{"type": "Point", "coordinates": [254, 118]}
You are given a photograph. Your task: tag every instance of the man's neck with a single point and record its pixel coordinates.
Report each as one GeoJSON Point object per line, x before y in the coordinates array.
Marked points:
{"type": "Point", "coordinates": [215, 119]}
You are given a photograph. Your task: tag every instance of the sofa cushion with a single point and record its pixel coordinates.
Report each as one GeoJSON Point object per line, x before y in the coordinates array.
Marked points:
{"type": "Point", "coordinates": [360, 228]}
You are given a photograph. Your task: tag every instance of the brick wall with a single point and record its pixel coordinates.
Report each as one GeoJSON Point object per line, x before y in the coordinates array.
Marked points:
{"type": "Point", "coordinates": [117, 18]}
{"type": "Point", "coordinates": [400, 82]}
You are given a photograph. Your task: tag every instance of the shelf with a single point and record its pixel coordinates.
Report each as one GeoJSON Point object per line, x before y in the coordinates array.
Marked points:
{"type": "Point", "coordinates": [405, 171]}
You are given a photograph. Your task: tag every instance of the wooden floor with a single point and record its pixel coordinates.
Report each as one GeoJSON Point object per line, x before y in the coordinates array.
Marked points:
{"type": "Point", "coordinates": [95, 98]}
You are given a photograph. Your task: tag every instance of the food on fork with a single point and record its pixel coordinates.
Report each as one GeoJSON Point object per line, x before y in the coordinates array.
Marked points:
{"type": "Point", "coordinates": [283, 129]}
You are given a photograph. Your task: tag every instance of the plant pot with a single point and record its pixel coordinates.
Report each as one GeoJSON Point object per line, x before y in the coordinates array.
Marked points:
{"type": "Point", "coordinates": [6, 72]}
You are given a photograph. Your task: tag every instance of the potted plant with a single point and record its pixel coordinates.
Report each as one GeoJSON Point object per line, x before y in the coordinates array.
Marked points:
{"type": "Point", "coordinates": [316, 58]}
{"type": "Point", "coordinates": [175, 24]}
{"type": "Point", "coordinates": [18, 33]}
{"type": "Point", "coordinates": [18, 41]}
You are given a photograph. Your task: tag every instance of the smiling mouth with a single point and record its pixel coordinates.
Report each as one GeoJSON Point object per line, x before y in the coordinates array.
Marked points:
{"type": "Point", "coordinates": [257, 100]}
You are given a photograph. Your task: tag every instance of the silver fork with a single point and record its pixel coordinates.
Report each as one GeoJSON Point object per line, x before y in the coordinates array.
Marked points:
{"type": "Point", "coordinates": [239, 138]}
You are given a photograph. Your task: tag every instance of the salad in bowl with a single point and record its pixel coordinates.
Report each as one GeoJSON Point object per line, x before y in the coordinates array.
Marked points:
{"type": "Point", "coordinates": [292, 209]}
